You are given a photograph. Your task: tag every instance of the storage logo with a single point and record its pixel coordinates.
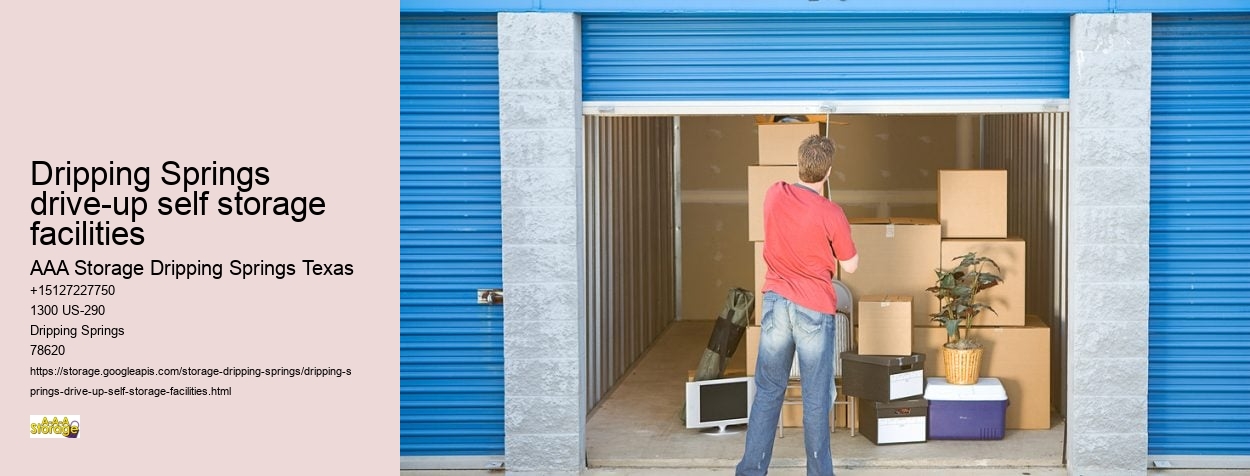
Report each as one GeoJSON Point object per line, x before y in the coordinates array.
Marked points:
{"type": "Point", "coordinates": [65, 426]}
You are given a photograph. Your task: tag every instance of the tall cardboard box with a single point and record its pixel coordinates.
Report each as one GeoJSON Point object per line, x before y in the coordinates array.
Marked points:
{"type": "Point", "coordinates": [761, 269]}
{"type": "Point", "coordinates": [973, 203]}
{"type": "Point", "coordinates": [759, 179]}
{"type": "Point", "coordinates": [1006, 298]}
{"type": "Point", "coordinates": [753, 348]}
{"type": "Point", "coordinates": [1018, 356]}
{"type": "Point", "coordinates": [779, 143]}
{"type": "Point", "coordinates": [897, 256]}
{"type": "Point", "coordinates": [884, 325]}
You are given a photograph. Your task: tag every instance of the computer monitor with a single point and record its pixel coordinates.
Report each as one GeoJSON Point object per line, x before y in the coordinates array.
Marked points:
{"type": "Point", "coordinates": [719, 403]}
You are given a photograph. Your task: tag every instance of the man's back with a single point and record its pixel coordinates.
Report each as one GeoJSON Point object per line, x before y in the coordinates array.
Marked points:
{"type": "Point", "coordinates": [803, 232]}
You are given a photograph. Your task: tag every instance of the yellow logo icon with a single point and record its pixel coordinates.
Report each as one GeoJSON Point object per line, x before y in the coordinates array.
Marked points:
{"type": "Point", "coordinates": [57, 427]}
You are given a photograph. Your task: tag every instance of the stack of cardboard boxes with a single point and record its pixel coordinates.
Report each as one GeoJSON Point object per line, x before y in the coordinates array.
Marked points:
{"type": "Point", "coordinates": [778, 162]}
{"type": "Point", "coordinates": [972, 205]}
{"type": "Point", "coordinates": [898, 257]}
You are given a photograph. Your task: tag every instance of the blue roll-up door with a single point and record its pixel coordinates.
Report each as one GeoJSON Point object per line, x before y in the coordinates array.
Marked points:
{"type": "Point", "coordinates": [653, 57]}
{"type": "Point", "coordinates": [451, 348]}
{"type": "Point", "coordinates": [1200, 238]}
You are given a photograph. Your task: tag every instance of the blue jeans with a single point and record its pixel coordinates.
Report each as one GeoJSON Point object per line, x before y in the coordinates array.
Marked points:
{"type": "Point", "coordinates": [785, 327]}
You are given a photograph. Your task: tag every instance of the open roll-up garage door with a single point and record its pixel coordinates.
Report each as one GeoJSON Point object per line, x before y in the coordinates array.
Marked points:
{"type": "Point", "coordinates": [1199, 415]}
{"type": "Point", "coordinates": [451, 347]}
{"type": "Point", "coordinates": [842, 65]}
{"type": "Point", "coordinates": [824, 63]}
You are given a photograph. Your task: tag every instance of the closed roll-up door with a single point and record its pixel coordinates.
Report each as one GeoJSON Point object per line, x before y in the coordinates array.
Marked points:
{"type": "Point", "coordinates": [654, 57]}
{"type": "Point", "coordinates": [1199, 397]}
{"type": "Point", "coordinates": [451, 348]}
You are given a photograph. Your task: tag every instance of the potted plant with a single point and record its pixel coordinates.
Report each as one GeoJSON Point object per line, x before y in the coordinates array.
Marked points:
{"type": "Point", "coordinates": [956, 290]}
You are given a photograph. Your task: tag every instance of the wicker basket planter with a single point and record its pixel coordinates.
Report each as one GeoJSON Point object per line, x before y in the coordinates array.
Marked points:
{"type": "Point", "coordinates": [963, 366]}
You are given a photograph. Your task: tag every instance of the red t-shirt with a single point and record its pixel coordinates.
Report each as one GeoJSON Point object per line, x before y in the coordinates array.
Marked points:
{"type": "Point", "coordinates": [803, 233]}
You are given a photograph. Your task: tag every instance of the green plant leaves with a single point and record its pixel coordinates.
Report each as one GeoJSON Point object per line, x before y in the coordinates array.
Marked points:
{"type": "Point", "coordinates": [956, 290]}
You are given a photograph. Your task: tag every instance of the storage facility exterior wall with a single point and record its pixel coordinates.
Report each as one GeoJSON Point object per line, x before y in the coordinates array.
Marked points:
{"type": "Point", "coordinates": [1108, 215]}
{"type": "Point", "coordinates": [541, 135]}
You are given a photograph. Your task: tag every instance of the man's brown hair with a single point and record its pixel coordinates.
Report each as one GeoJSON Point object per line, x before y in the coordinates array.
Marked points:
{"type": "Point", "coordinates": [815, 158]}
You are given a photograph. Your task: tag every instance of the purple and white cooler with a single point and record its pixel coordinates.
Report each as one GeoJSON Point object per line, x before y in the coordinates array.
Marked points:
{"type": "Point", "coordinates": [966, 412]}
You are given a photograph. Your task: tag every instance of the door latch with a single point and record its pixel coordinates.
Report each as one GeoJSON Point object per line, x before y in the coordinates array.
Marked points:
{"type": "Point", "coordinates": [490, 296]}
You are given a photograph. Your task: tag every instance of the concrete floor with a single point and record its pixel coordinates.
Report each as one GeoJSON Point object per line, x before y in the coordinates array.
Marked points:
{"type": "Point", "coordinates": [637, 432]}
{"type": "Point", "coordinates": [638, 426]}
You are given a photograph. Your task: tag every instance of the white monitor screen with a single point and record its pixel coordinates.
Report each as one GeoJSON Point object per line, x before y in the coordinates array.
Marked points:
{"type": "Point", "coordinates": [719, 402]}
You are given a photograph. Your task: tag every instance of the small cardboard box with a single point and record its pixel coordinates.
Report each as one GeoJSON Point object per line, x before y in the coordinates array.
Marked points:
{"type": "Point", "coordinates": [966, 412]}
{"type": "Point", "coordinates": [1017, 356]}
{"type": "Point", "coordinates": [1007, 298]}
{"type": "Point", "coordinates": [759, 180]}
{"type": "Point", "coordinates": [792, 415]}
{"type": "Point", "coordinates": [897, 257]}
{"type": "Point", "coordinates": [884, 325]}
{"type": "Point", "coordinates": [903, 421]}
{"type": "Point", "coordinates": [779, 142]}
{"type": "Point", "coordinates": [883, 378]}
{"type": "Point", "coordinates": [973, 203]}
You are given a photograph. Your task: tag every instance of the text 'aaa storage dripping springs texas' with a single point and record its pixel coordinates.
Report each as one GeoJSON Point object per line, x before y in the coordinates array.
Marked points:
{"type": "Point", "coordinates": [69, 192]}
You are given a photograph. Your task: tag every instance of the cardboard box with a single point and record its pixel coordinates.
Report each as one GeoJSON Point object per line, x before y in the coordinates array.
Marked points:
{"type": "Point", "coordinates": [761, 268]}
{"type": "Point", "coordinates": [1006, 298]}
{"type": "Point", "coordinates": [779, 143]}
{"type": "Point", "coordinates": [759, 179]}
{"type": "Point", "coordinates": [884, 325]}
{"type": "Point", "coordinates": [1018, 356]}
{"type": "Point", "coordinates": [903, 421]}
{"type": "Point", "coordinates": [753, 347]}
{"type": "Point", "coordinates": [897, 256]}
{"type": "Point", "coordinates": [883, 378]}
{"type": "Point", "coordinates": [973, 203]}
{"type": "Point", "coordinates": [792, 415]}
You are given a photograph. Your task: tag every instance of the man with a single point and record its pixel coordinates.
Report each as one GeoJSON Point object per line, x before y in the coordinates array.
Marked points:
{"type": "Point", "coordinates": [805, 236]}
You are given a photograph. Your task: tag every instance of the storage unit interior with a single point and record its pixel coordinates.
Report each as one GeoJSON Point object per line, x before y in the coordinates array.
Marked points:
{"type": "Point", "coordinates": [666, 234]}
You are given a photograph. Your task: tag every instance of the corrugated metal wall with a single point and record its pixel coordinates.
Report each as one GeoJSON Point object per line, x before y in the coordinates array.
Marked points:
{"type": "Point", "coordinates": [450, 347]}
{"type": "Point", "coordinates": [1034, 150]}
{"type": "Point", "coordinates": [630, 251]}
{"type": "Point", "coordinates": [1200, 240]}
{"type": "Point", "coordinates": [650, 57]}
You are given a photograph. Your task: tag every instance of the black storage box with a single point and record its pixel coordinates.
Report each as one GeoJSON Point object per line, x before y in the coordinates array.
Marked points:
{"type": "Point", "coordinates": [882, 378]}
{"type": "Point", "coordinates": [902, 421]}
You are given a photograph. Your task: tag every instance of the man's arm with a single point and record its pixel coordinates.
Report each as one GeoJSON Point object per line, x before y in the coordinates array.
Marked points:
{"type": "Point", "coordinates": [850, 265]}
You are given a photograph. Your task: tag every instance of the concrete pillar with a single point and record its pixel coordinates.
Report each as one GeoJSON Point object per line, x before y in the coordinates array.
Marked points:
{"type": "Point", "coordinates": [540, 130]}
{"type": "Point", "coordinates": [1109, 244]}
